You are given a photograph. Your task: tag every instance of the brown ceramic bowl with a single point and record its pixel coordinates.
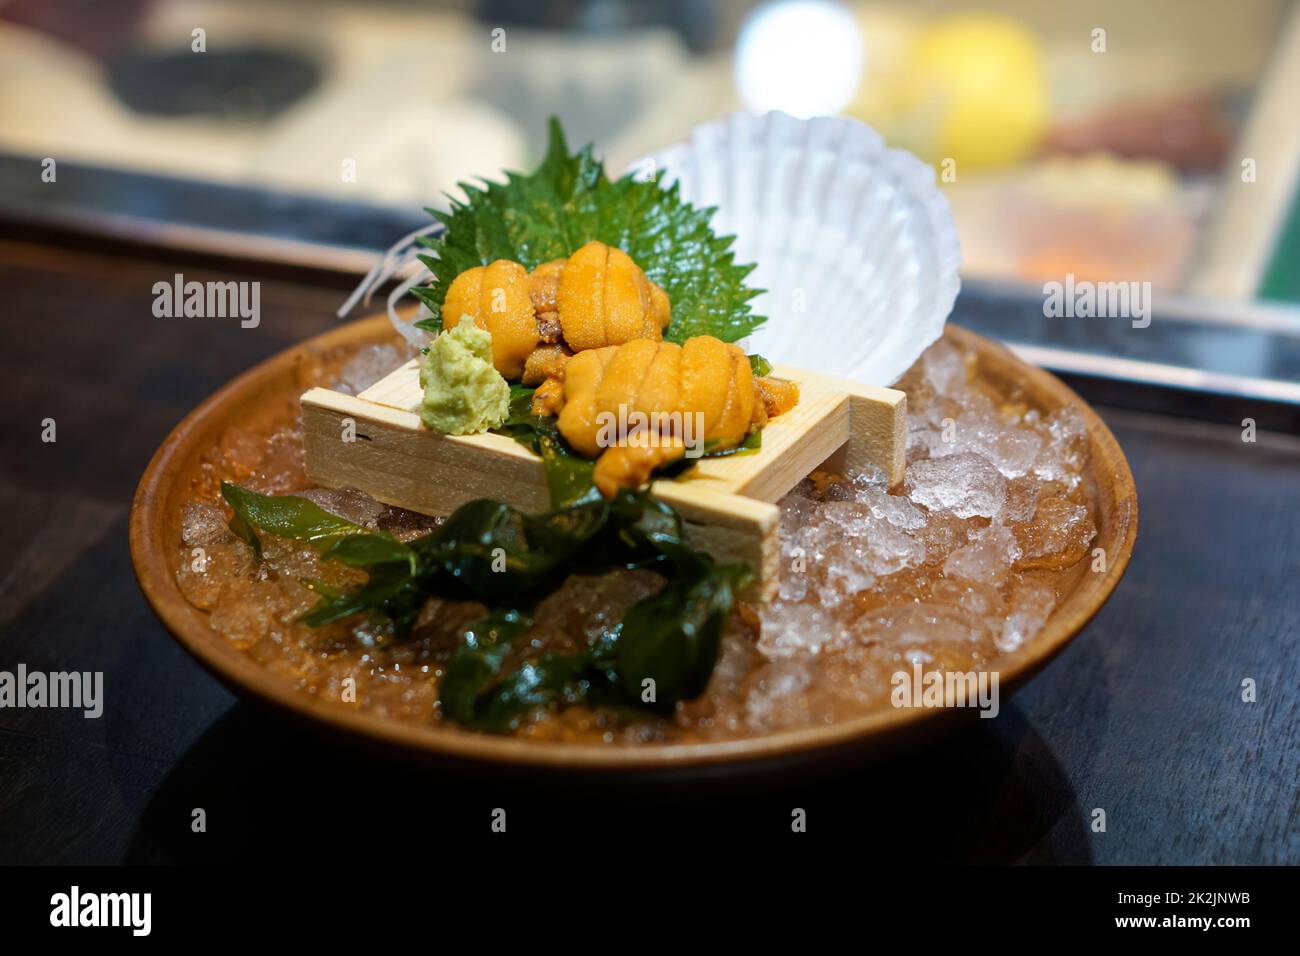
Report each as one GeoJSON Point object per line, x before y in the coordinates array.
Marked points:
{"type": "Point", "coordinates": [267, 395]}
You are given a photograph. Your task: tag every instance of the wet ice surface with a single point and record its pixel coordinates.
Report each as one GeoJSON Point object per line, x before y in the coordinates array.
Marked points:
{"type": "Point", "coordinates": [962, 564]}
{"type": "Point", "coordinates": [368, 365]}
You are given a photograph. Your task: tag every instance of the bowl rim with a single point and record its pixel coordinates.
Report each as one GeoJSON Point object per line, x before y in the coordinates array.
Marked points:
{"type": "Point", "coordinates": [188, 625]}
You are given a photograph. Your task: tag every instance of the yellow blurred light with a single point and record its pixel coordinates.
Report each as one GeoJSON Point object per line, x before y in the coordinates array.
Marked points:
{"type": "Point", "coordinates": [973, 84]}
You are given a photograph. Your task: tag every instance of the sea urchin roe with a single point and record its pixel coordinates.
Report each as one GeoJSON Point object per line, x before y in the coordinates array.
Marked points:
{"type": "Point", "coordinates": [496, 297]}
{"type": "Point", "coordinates": [702, 391]}
{"type": "Point", "coordinates": [596, 297]}
{"type": "Point", "coordinates": [544, 290]}
{"type": "Point", "coordinates": [605, 299]}
{"type": "Point", "coordinates": [463, 393]}
{"type": "Point", "coordinates": [546, 361]}
{"type": "Point", "coordinates": [705, 377]}
{"type": "Point", "coordinates": [630, 466]}
{"type": "Point", "coordinates": [777, 396]}
{"type": "Point", "coordinates": [716, 379]}
{"type": "Point", "coordinates": [548, 399]}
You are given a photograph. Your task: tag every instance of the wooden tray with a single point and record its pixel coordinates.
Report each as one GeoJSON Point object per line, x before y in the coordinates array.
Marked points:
{"type": "Point", "coordinates": [267, 396]}
{"type": "Point", "coordinates": [374, 442]}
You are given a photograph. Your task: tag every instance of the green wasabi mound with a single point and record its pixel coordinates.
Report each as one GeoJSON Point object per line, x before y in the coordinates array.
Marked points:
{"type": "Point", "coordinates": [463, 393]}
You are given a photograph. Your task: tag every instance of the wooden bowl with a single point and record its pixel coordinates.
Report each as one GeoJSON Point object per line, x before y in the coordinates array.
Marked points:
{"type": "Point", "coordinates": [267, 395]}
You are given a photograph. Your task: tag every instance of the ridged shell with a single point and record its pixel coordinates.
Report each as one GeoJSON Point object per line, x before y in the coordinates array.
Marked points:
{"type": "Point", "coordinates": [853, 242]}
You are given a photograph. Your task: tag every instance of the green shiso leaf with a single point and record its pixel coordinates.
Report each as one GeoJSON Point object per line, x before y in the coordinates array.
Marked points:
{"type": "Point", "coordinates": [568, 201]}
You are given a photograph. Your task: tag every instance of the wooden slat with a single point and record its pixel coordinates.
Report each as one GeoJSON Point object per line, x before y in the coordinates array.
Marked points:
{"type": "Point", "coordinates": [400, 388]}
{"type": "Point", "coordinates": [877, 435]}
{"type": "Point", "coordinates": [731, 528]}
{"type": "Point", "coordinates": [395, 461]}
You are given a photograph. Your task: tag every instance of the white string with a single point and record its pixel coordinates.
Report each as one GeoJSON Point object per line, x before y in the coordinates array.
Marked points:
{"type": "Point", "coordinates": [399, 259]}
{"type": "Point", "coordinates": [417, 337]}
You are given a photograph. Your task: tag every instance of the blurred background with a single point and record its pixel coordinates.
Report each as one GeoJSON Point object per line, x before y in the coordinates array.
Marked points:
{"type": "Point", "coordinates": [1155, 141]}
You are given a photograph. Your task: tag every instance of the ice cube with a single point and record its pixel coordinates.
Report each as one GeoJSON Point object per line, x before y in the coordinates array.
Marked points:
{"type": "Point", "coordinates": [789, 628]}
{"type": "Point", "coordinates": [872, 479]}
{"type": "Point", "coordinates": [369, 364]}
{"type": "Point", "coordinates": [944, 370]}
{"type": "Point", "coordinates": [849, 516]}
{"type": "Point", "coordinates": [1057, 536]}
{"type": "Point", "coordinates": [965, 484]}
{"type": "Point", "coordinates": [776, 696]}
{"type": "Point", "coordinates": [926, 624]}
{"type": "Point", "coordinates": [895, 509]}
{"type": "Point", "coordinates": [848, 572]}
{"type": "Point", "coordinates": [1066, 450]}
{"type": "Point", "coordinates": [987, 558]}
{"type": "Point", "coordinates": [1022, 499]}
{"type": "Point", "coordinates": [203, 524]}
{"type": "Point", "coordinates": [1012, 449]}
{"type": "Point", "coordinates": [347, 503]}
{"type": "Point", "coordinates": [1031, 604]}
{"type": "Point", "coordinates": [282, 468]}
{"type": "Point", "coordinates": [794, 581]}
{"type": "Point", "coordinates": [797, 512]}
{"type": "Point", "coordinates": [870, 542]}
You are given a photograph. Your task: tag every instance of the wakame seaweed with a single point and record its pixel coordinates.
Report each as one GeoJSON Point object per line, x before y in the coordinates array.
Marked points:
{"type": "Point", "coordinates": [570, 478]}
{"type": "Point", "coordinates": [662, 651]}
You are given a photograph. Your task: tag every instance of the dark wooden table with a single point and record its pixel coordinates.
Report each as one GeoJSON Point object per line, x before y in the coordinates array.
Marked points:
{"type": "Point", "coordinates": [1142, 716]}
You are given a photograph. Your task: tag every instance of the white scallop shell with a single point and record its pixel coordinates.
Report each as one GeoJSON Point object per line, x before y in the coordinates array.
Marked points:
{"type": "Point", "coordinates": [854, 243]}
